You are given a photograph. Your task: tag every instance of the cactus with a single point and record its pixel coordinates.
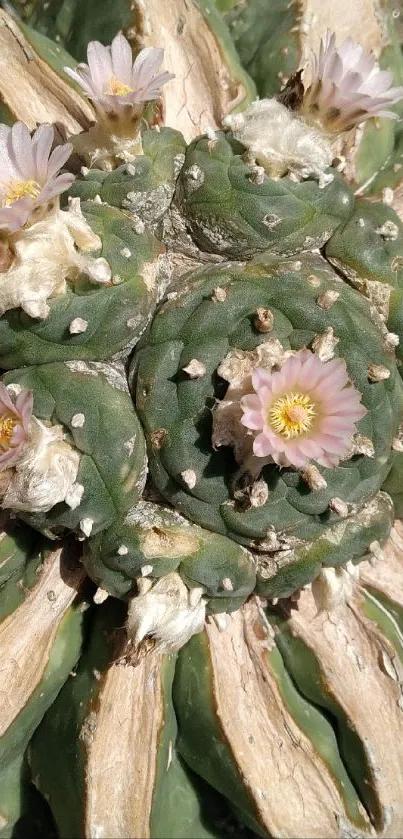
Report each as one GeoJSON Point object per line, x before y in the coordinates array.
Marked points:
{"type": "Point", "coordinates": [201, 411]}
{"type": "Point", "coordinates": [301, 687]}
{"type": "Point", "coordinates": [41, 639]}
{"type": "Point", "coordinates": [161, 798]}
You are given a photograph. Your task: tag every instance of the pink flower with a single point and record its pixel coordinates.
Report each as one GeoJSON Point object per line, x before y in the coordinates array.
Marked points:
{"type": "Point", "coordinates": [112, 80]}
{"type": "Point", "coordinates": [347, 87]}
{"type": "Point", "coordinates": [305, 411]}
{"type": "Point", "coordinates": [29, 173]}
{"type": "Point", "coordinates": [14, 421]}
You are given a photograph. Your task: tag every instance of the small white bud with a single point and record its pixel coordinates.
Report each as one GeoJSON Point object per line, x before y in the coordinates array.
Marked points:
{"type": "Point", "coordinates": [195, 369]}
{"type": "Point", "coordinates": [78, 420]}
{"type": "Point", "coordinates": [189, 478]}
{"type": "Point", "coordinates": [74, 496]}
{"type": "Point", "coordinates": [378, 373]}
{"type": "Point", "coordinates": [100, 596]}
{"type": "Point", "coordinates": [86, 526]}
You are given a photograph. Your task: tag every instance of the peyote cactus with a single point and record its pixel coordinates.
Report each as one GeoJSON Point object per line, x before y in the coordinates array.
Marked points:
{"type": "Point", "coordinates": [201, 411]}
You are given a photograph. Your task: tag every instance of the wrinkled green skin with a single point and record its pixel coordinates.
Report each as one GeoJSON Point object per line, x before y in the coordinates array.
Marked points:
{"type": "Point", "coordinates": [195, 326]}
{"type": "Point", "coordinates": [230, 215]}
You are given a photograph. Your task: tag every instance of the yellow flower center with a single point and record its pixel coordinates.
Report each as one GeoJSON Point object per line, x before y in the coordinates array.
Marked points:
{"type": "Point", "coordinates": [19, 189]}
{"type": "Point", "coordinates": [291, 415]}
{"type": "Point", "coordinates": [117, 88]}
{"type": "Point", "coordinates": [7, 425]}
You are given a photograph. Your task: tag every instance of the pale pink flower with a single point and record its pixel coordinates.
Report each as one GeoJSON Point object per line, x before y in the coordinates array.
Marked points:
{"type": "Point", "coordinates": [29, 173]}
{"type": "Point", "coordinates": [305, 411]}
{"type": "Point", "coordinates": [15, 417]}
{"type": "Point", "coordinates": [347, 87]}
{"type": "Point", "coordinates": [111, 79]}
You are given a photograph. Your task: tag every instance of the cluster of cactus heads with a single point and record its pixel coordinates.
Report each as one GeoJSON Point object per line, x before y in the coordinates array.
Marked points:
{"type": "Point", "coordinates": [201, 429]}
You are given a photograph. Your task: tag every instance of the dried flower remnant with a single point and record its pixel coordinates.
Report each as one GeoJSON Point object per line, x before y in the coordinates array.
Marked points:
{"type": "Point", "coordinates": [30, 176]}
{"type": "Point", "coordinates": [305, 411]}
{"type": "Point", "coordinates": [48, 254]}
{"type": "Point", "coordinates": [347, 87]}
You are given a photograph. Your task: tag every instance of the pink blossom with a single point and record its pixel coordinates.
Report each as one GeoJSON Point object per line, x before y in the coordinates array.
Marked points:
{"type": "Point", "coordinates": [305, 411]}
{"type": "Point", "coordinates": [347, 87]}
{"type": "Point", "coordinates": [15, 417]}
{"type": "Point", "coordinates": [112, 80]}
{"type": "Point", "coordinates": [29, 173]}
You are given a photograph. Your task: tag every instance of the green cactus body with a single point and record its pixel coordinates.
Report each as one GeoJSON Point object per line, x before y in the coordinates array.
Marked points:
{"type": "Point", "coordinates": [110, 319]}
{"type": "Point", "coordinates": [175, 409]}
{"type": "Point", "coordinates": [92, 404]}
{"type": "Point", "coordinates": [394, 484]}
{"type": "Point", "coordinates": [144, 187]}
{"type": "Point", "coordinates": [40, 641]}
{"type": "Point", "coordinates": [157, 541]}
{"type": "Point", "coordinates": [227, 213]}
{"type": "Point", "coordinates": [372, 631]}
{"type": "Point", "coordinates": [368, 249]}
{"type": "Point", "coordinates": [347, 540]}
{"type": "Point", "coordinates": [146, 791]}
{"type": "Point", "coordinates": [266, 38]}
{"type": "Point", "coordinates": [21, 552]}
{"type": "Point", "coordinates": [23, 812]}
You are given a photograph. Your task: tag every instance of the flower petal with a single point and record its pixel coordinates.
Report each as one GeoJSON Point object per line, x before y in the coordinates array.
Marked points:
{"type": "Point", "coordinates": [41, 144]}
{"type": "Point", "coordinates": [122, 59]}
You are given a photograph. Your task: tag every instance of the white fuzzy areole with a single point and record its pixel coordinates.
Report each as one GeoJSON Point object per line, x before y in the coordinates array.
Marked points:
{"type": "Point", "coordinates": [280, 141]}
{"type": "Point", "coordinates": [167, 612]}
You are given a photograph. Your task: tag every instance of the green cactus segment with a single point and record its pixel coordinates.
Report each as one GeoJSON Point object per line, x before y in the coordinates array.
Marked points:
{"type": "Point", "coordinates": [379, 157]}
{"type": "Point", "coordinates": [146, 185]}
{"type": "Point", "coordinates": [379, 160]}
{"type": "Point", "coordinates": [23, 812]}
{"type": "Point", "coordinates": [309, 673]}
{"type": "Point", "coordinates": [347, 541]}
{"type": "Point", "coordinates": [154, 536]}
{"type": "Point", "coordinates": [80, 724]}
{"type": "Point", "coordinates": [393, 484]}
{"type": "Point", "coordinates": [51, 51]}
{"type": "Point", "coordinates": [318, 729]}
{"type": "Point", "coordinates": [226, 213]}
{"type": "Point", "coordinates": [381, 613]}
{"type": "Point", "coordinates": [176, 410]}
{"type": "Point", "coordinates": [201, 741]}
{"type": "Point", "coordinates": [368, 249]}
{"type": "Point", "coordinates": [52, 644]}
{"type": "Point", "coordinates": [186, 806]}
{"type": "Point", "coordinates": [369, 246]}
{"type": "Point", "coordinates": [244, 90]}
{"type": "Point", "coordinates": [267, 40]}
{"type": "Point", "coordinates": [244, 740]}
{"type": "Point", "coordinates": [21, 553]}
{"type": "Point", "coordinates": [110, 441]}
{"type": "Point", "coordinates": [114, 315]}
{"type": "Point", "coordinates": [66, 719]}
